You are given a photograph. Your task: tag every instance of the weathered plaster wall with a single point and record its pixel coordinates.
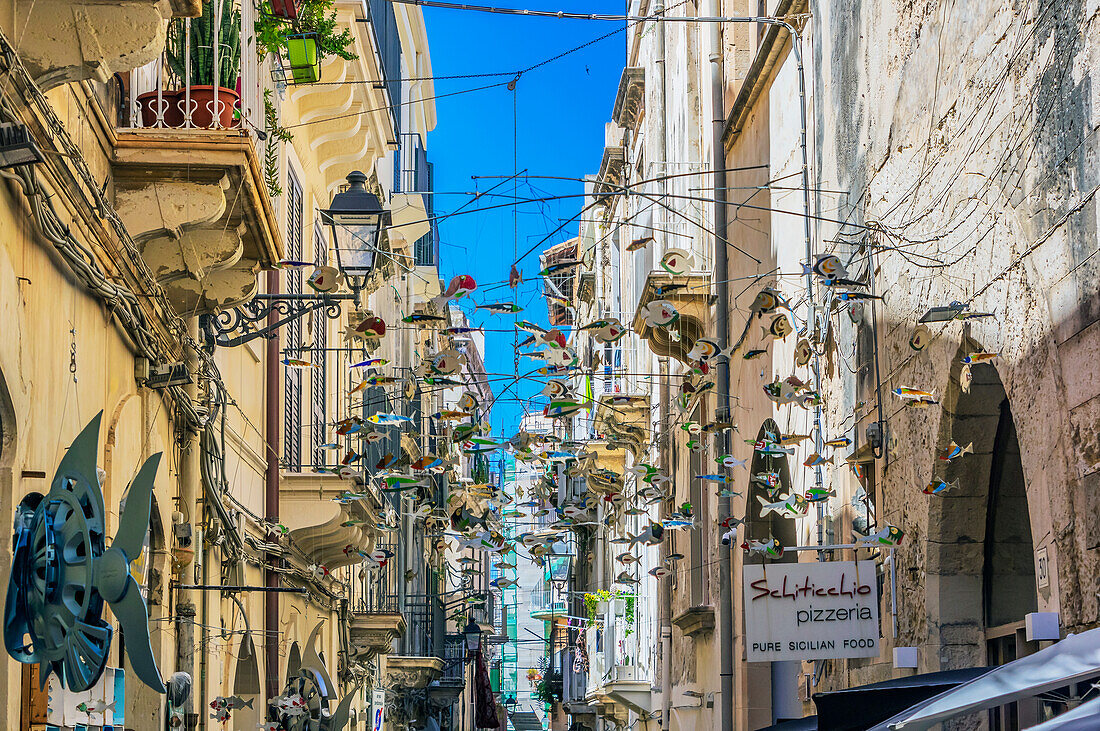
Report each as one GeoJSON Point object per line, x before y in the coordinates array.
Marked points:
{"type": "Point", "coordinates": [965, 135]}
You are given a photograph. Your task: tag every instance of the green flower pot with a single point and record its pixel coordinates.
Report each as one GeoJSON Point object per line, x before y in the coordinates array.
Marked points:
{"type": "Point", "coordinates": [303, 60]}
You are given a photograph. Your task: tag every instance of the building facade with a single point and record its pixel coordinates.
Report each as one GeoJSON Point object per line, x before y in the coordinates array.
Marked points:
{"type": "Point", "coordinates": [954, 183]}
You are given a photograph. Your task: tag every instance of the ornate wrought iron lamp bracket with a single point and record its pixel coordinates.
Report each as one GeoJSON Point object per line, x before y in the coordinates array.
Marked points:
{"type": "Point", "coordinates": [240, 324]}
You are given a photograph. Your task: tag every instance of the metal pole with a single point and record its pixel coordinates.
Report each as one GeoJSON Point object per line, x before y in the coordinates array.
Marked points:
{"type": "Point", "coordinates": [189, 476]}
{"type": "Point", "coordinates": [271, 496]}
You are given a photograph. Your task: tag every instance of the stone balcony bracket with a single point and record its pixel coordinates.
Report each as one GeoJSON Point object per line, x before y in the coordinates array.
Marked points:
{"type": "Point", "coordinates": [60, 41]}
{"type": "Point", "coordinates": [610, 177]}
{"type": "Point", "coordinates": [637, 695]}
{"type": "Point", "coordinates": [195, 202]}
{"type": "Point", "coordinates": [373, 634]}
{"type": "Point", "coordinates": [624, 425]}
{"type": "Point", "coordinates": [412, 672]}
{"type": "Point", "coordinates": [695, 620]}
{"type": "Point", "coordinates": [630, 99]}
{"type": "Point", "coordinates": [692, 300]}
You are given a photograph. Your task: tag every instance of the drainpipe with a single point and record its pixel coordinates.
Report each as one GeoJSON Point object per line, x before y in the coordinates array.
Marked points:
{"type": "Point", "coordinates": [271, 493]}
{"type": "Point", "coordinates": [189, 476]}
{"type": "Point", "coordinates": [664, 598]}
{"type": "Point", "coordinates": [721, 275]}
{"type": "Point", "coordinates": [721, 272]}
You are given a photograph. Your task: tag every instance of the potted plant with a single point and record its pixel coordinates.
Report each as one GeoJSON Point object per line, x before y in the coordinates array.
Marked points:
{"type": "Point", "coordinates": [304, 42]}
{"type": "Point", "coordinates": [204, 107]}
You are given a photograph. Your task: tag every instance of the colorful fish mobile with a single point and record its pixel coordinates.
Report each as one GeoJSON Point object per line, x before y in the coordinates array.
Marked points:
{"type": "Point", "coordinates": [564, 408]}
{"type": "Point", "coordinates": [606, 331]}
{"type": "Point", "coordinates": [779, 328]}
{"type": "Point", "coordinates": [447, 362]}
{"type": "Point", "coordinates": [558, 266]}
{"type": "Point", "coordinates": [954, 451]}
{"type": "Point", "coordinates": [292, 264]}
{"type": "Point", "coordinates": [803, 353]}
{"type": "Point", "coordinates": [915, 397]}
{"type": "Point", "coordinates": [767, 300]}
{"type": "Point", "coordinates": [770, 548]}
{"type": "Point", "coordinates": [370, 363]}
{"type": "Point", "coordinates": [500, 308]}
{"type": "Point", "coordinates": [920, 337]}
{"type": "Point", "coordinates": [890, 535]}
{"type": "Point", "coordinates": [299, 363]}
{"type": "Point", "coordinates": [389, 419]}
{"type": "Point", "coordinates": [794, 505]}
{"type": "Point", "coordinates": [515, 277]}
{"type": "Point", "coordinates": [659, 313]}
{"type": "Point", "coordinates": [828, 266]}
{"type": "Point", "coordinates": [451, 415]}
{"type": "Point", "coordinates": [460, 286]}
{"type": "Point", "coordinates": [938, 487]}
{"type": "Point", "coordinates": [838, 443]}
{"type": "Point", "coordinates": [677, 261]}
{"type": "Point", "coordinates": [819, 494]}
{"type": "Point", "coordinates": [418, 317]}
{"type": "Point", "coordinates": [325, 279]}
{"type": "Point", "coordinates": [370, 327]}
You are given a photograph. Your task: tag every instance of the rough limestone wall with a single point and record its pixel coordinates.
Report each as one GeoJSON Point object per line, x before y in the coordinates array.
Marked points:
{"type": "Point", "coordinates": [965, 134]}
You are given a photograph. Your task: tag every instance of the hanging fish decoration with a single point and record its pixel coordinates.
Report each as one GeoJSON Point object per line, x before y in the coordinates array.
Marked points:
{"type": "Point", "coordinates": [565, 408]}
{"type": "Point", "coordinates": [659, 313]}
{"type": "Point", "coordinates": [890, 535]}
{"type": "Point", "coordinates": [788, 440]}
{"type": "Point", "coordinates": [667, 289]}
{"type": "Point", "coordinates": [369, 327]}
{"type": "Point", "coordinates": [938, 487]}
{"type": "Point", "coordinates": [920, 338]}
{"type": "Point", "coordinates": [500, 308]}
{"type": "Point", "coordinates": [447, 362]}
{"type": "Point", "coordinates": [767, 301]}
{"type": "Point", "coordinates": [828, 266]}
{"type": "Point", "coordinates": [515, 277]}
{"type": "Point", "coordinates": [816, 460]}
{"type": "Point", "coordinates": [292, 264]}
{"type": "Point", "coordinates": [770, 548]}
{"type": "Point", "coordinates": [794, 505]}
{"type": "Point", "coordinates": [754, 354]}
{"type": "Point", "coordinates": [819, 494]}
{"type": "Point", "coordinates": [780, 327]}
{"type": "Point", "coordinates": [451, 415]}
{"type": "Point", "coordinates": [953, 451]}
{"type": "Point", "coordinates": [423, 317]}
{"type": "Point", "coordinates": [460, 286]}
{"type": "Point", "coordinates": [325, 279]}
{"type": "Point", "coordinates": [561, 358]}
{"type": "Point", "coordinates": [388, 419]}
{"type": "Point", "coordinates": [677, 261]}
{"type": "Point", "coordinates": [559, 266]}
{"type": "Point", "coordinates": [979, 358]}
{"type": "Point", "coordinates": [838, 443]}
{"type": "Point", "coordinates": [370, 363]}
{"type": "Point", "coordinates": [461, 330]}
{"type": "Point", "coordinates": [803, 352]}
{"type": "Point", "coordinates": [299, 363]}
{"type": "Point", "coordinates": [609, 330]}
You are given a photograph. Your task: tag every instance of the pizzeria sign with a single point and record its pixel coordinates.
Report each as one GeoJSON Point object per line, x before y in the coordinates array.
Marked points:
{"type": "Point", "coordinates": [811, 611]}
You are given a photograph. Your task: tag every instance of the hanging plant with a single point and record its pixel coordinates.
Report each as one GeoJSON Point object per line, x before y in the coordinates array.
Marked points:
{"type": "Point", "coordinates": [316, 20]}
{"type": "Point", "coordinates": [275, 135]}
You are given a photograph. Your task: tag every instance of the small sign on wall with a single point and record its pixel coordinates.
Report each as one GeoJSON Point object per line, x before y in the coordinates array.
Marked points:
{"type": "Point", "coordinates": [811, 611]}
{"type": "Point", "coordinates": [378, 709]}
{"type": "Point", "coordinates": [1042, 569]}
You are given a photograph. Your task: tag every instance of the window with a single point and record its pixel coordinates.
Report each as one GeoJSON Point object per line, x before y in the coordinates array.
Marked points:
{"type": "Point", "coordinates": [317, 419]}
{"type": "Point", "coordinates": [292, 377]}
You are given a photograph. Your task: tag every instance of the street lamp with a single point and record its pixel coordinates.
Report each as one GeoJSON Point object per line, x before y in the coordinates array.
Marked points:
{"type": "Point", "coordinates": [355, 218]}
{"type": "Point", "coordinates": [473, 638]}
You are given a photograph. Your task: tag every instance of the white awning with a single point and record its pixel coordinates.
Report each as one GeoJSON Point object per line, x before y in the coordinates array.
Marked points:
{"type": "Point", "coordinates": [1074, 659]}
{"type": "Point", "coordinates": [1085, 717]}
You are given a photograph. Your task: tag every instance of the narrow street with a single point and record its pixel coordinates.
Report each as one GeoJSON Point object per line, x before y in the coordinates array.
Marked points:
{"type": "Point", "coordinates": [412, 365]}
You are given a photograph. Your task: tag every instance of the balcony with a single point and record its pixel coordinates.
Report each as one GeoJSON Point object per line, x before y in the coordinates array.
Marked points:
{"type": "Point", "coordinates": [691, 298]}
{"type": "Point", "coordinates": [623, 419]}
{"type": "Point", "coordinates": [617, 685]}
{"type": "Point", "coordinates": [376, 616]}
{"type": "Point", "coordinates": [630, 99]}
{"type": "Point", "coordinates": [544, 604]}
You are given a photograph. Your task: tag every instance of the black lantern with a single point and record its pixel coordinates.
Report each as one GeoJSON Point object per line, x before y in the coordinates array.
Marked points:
{"type": "Point", "coordinates": [473, 637]}
{"type": "Point", "coordinates": [355, 217]}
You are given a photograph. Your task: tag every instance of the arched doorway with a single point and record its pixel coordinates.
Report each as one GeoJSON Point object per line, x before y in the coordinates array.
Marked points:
{"type": "Point", "coordinates": [784, 530]}
{"type": "Point", "coordinates": [981, 565]}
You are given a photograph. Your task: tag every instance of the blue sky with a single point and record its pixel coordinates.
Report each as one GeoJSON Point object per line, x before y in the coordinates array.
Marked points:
{"type": "Point", "coordinates": [552, 125]}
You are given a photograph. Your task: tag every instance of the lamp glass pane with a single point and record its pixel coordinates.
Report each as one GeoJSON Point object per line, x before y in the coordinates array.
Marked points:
{"type": "Point", "coordinates": [355, 246]}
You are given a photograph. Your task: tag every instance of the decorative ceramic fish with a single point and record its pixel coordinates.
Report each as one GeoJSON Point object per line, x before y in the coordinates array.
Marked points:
{"type": "Point", "coordinates": [423, 317]}
{"type": "Point", "coordinates": [370, 363]}
{"type": "Point", "coordinates": [828, 266]}
{"type": "Point", "coordinates": [659, 313]}
{"type": "Point", "coordinates": [953, 451]}
{"type": "Point", "coordinates": [791, 506]}
{"type": "Point", "coordinates": [938, 487]}
{"type": "Point", "coordinates": [770, 548]}
{"type": "Point", "coordinates": [677, 261]}
{"type": "Point", "coordinates": [500, 308]}
{"type": "Point", "coordinates": [819, 494]}
{"type": "Point", "coordinates": [838, 443]}
{"type": "Point", "coordinates": [889, 536]}
{"type": "Point", "coordinates": [388, 419]}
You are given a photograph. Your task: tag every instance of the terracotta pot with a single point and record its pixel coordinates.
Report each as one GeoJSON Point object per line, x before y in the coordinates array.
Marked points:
{"type": "Point", "coordinates": [148, 102]}
{"type": "Point", "coordinates": [202, 106]}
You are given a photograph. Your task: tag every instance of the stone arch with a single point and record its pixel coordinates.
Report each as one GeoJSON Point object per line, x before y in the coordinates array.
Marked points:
{"type": "Point", "coordinates": [785, 530]}
{"type": "Point", "coordinates": [980, 550]}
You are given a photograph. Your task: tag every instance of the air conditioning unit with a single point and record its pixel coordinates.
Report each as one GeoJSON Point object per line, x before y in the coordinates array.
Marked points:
{"type": "Point", "coordinates": [624, 672]}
